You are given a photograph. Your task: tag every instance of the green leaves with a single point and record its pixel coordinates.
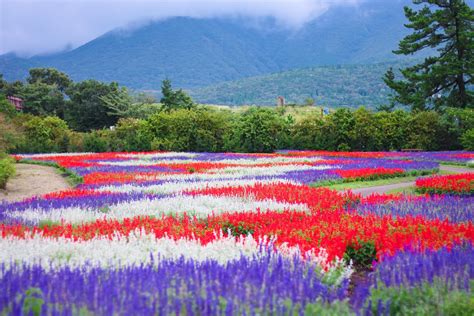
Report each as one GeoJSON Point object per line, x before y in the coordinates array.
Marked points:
{"type": "Point", "coordinates": [173, 100]}
{"type": "Point", "coordinates": [441, 80]}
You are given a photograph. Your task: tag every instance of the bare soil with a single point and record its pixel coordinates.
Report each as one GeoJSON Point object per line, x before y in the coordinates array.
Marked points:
{"type": "Point", "coordinates": [31, 180]}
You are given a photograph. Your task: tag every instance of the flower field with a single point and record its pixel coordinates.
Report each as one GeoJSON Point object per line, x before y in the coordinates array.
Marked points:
{"type": "Point", "coordinates": [462, 184]}
{"type": "Point", "coordinates": [237, 234]}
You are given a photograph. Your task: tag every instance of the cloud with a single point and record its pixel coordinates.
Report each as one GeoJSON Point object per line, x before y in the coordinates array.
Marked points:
{"type": "Point", "coordinates": [31, 27]}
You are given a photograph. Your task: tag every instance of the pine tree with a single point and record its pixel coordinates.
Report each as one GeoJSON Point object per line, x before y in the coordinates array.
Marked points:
{"type": "Point", "coordinates": [174, 99]}
{"type": "Point", "coordinates": [447, 78]}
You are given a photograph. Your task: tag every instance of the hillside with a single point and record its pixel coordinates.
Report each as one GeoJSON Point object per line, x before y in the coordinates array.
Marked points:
{"type": "Point", "coordinates": [331, 86]}
{"type": "Point", "coordinates": [199, 52]}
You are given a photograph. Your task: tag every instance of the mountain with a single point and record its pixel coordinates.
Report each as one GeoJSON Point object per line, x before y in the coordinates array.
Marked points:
{"type": "Point", "coordinates": [331, 86]}
{"type": "Point", "coordinates": [199, 52]}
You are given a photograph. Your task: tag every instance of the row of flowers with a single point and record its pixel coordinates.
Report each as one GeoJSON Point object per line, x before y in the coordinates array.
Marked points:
{"type": "Point", "coordinates": [188, 233]}
{"type": "Point", "coordinates": [411, 282]}
{"type": "Point", "coordinates": [452, 184]}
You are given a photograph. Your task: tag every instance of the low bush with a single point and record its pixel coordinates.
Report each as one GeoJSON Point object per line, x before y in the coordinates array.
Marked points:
{"type": "Point", "coordinates": [7, 170]}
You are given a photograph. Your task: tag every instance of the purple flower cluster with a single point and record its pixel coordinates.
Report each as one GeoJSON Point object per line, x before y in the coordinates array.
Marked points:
{"type": "Point", "coordinates": [411, 268]}
{"type": "Point", "coordinates": [249, 286]}
{"type": "Point", "coordinates": [452, 208]}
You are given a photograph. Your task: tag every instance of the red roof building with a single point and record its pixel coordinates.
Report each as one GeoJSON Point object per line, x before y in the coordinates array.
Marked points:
{"type": "Point", "coordinates": [17, 102]}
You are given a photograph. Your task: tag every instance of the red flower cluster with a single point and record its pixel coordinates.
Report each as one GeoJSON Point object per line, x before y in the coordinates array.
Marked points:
{"type": "Point", "coordinates": [368, 173]}
{"type": "Point", "coordinates": [317, 199]}
{"type": "Point", "coordinates": [451, 184]}
{"type": "Point", "coordinates": [333, 230]}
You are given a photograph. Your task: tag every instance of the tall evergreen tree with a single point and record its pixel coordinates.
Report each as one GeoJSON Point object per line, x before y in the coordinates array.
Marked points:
{"type": "Point", "coordinates": [445, 79]}
{"type": "Point", "coordinates": [172, 100]}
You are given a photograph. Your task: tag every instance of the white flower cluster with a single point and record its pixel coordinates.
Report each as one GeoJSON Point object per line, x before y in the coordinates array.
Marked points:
{"type": "Point", "coordinates": [140, 248]}
{"type": "Point", "coordinates": [199, 205]}
{"type": "Point", "coordinates": [173, 187]}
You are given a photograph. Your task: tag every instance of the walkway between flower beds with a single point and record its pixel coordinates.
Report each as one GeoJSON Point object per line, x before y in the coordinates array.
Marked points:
{"type": "Point", "coordinates": [404, 185]}
{"type": "Point", "coordinates": [31, 180]}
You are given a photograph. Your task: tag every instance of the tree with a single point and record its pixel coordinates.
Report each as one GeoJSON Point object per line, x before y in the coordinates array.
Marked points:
{"type": "Point", "coordinates": [257, 130]}
{"type": "Point", "coordinates": [174, 99]}
{"type": "Point", "coordinates": [424, 131]}
{"type": "Point", "coordinates": [86, 110]}
{"type": "Point", "coordinates": [49, 76]}
{"type": "Point", "coordinates": [123, 105]}
{"type": "Point", "coordinates": [338, 130]}
{"type": "Point", "coordinates": [441, 80]}
{"type": "Point", "coordinates": [42, 99]}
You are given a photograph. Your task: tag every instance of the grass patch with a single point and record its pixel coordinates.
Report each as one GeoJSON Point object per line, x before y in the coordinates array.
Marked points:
{"type": "Point", "coordinates": [368, 184]}
{"type": "Point", "coordinates": [72, 178]}
{"type": "Point", "coordinates": [454, 164]}
{"type": "Point", "coordinates": [404, 191]}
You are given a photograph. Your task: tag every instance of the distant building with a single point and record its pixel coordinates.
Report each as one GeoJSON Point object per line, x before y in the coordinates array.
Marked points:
{"type": "Point", "coordinates": [16, 102]}
{"type": "Point", "coordinates": [281, 101]}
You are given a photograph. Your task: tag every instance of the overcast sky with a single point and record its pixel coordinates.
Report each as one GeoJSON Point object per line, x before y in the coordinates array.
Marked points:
{"type": "Point", "coordinates": [30, 27]}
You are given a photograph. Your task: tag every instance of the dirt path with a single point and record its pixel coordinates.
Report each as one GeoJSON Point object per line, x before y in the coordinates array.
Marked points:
{"type": "Point", "coordinates": [389, 187]}
{"type": "Point", "coordinates": [31, 180]}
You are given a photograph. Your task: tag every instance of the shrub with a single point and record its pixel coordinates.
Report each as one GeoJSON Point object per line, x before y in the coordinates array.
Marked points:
{"type": "Point", "coordinates": [131, 135]}
{"type": "Point", "coordinates": [96, 141]}
{"type": "Point", "coordinates": [76, 142]}
{"type": "Point", "coordinates": [187, 130]}
{"type": "Point", "coordinates": [467, 139]}
{"type": "Point", "coordinates": [10, 135]}
{"type": "Point", "coordinates": [7, 170]}
{"type": "Point", "coordinates": [362, 254]}
{"type": "Point", "coordinates": [257, 130]}
{"type": "Point", "coordinates": [44, 134]}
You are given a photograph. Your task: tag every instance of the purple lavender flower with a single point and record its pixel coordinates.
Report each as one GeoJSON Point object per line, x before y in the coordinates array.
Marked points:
{"type": "Point", "coordinates": [270, 284]}
{"type": "Point", "coordinates": [452, 208]}
{"type": "Point", "coordinates": [448, 269]}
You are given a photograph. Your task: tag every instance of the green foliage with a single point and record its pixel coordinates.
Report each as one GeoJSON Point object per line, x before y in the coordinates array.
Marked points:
{"type": "Point", "coordinates": [131, 135]}
{"type": "Point", "coordinates": [173, 100]}
{"type": "Point", "coordinates": [424, 131]}
{"type": "Point", "coordinates": [365, 134]}
{"type": "Point", "coordinates": [42, 99]}
{"type": "Point", "coordinates": [330, 86]}
{"type": "Point", "coordinates": [445, 79]}
{"type": "Point", "coordinates": [32, 301]}
{"type": "Point", "coordinates": [392, 129]}
{"type": "Point", "coordinates": [258, 130]}
{"type": "Point", "coordinates": [7, 170]}
{"type": "Point", "coordinates": [455, 123]}
{"type": "Point", "coordinates": [237, 230]}
{"type": "Point", "coordinates": [6, 107]}
{"type": "Point", "coordinates": [467, 139]}
{"type": "Point", "coordinates": [339, 127]}
{"type": "Point", "coordinates": [308, 133]}
{"type": "Point", "coordinates": [86, 109]}
{"type": "Point", "coordinates": [76, 142]}
{"type": "Point", "coordinates": [362, 254]}
{"type": "Point", "coordinates": [426, 299]}
{"type": "Point", "coordinates": [340, 308]}
{"type": "Point", "coordinates": [49, 76]}
{"type": "Point", "coordinates": [96, 141]}
{"type": "Point", "coordinates": [188, 130]}
{"type": "Point", "coordinates": [10, 133]}
{"type": "Point", "coordinates": [48, 134]}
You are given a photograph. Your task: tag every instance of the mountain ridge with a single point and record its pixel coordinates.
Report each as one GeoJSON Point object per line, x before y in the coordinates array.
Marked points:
{"type": "Point", "coordinates": [195, 53]}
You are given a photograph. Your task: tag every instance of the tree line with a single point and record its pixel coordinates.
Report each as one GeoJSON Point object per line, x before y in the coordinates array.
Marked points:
{"type": "Point", "coordinates": [82, 116]}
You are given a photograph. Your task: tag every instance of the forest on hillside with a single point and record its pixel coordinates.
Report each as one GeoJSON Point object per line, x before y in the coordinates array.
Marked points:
{"type": "Point", "coordinates": [330, 86]}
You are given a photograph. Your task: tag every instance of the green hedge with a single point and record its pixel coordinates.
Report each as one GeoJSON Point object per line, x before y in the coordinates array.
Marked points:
{"type": "Point", "coordinates": [7, 170]}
